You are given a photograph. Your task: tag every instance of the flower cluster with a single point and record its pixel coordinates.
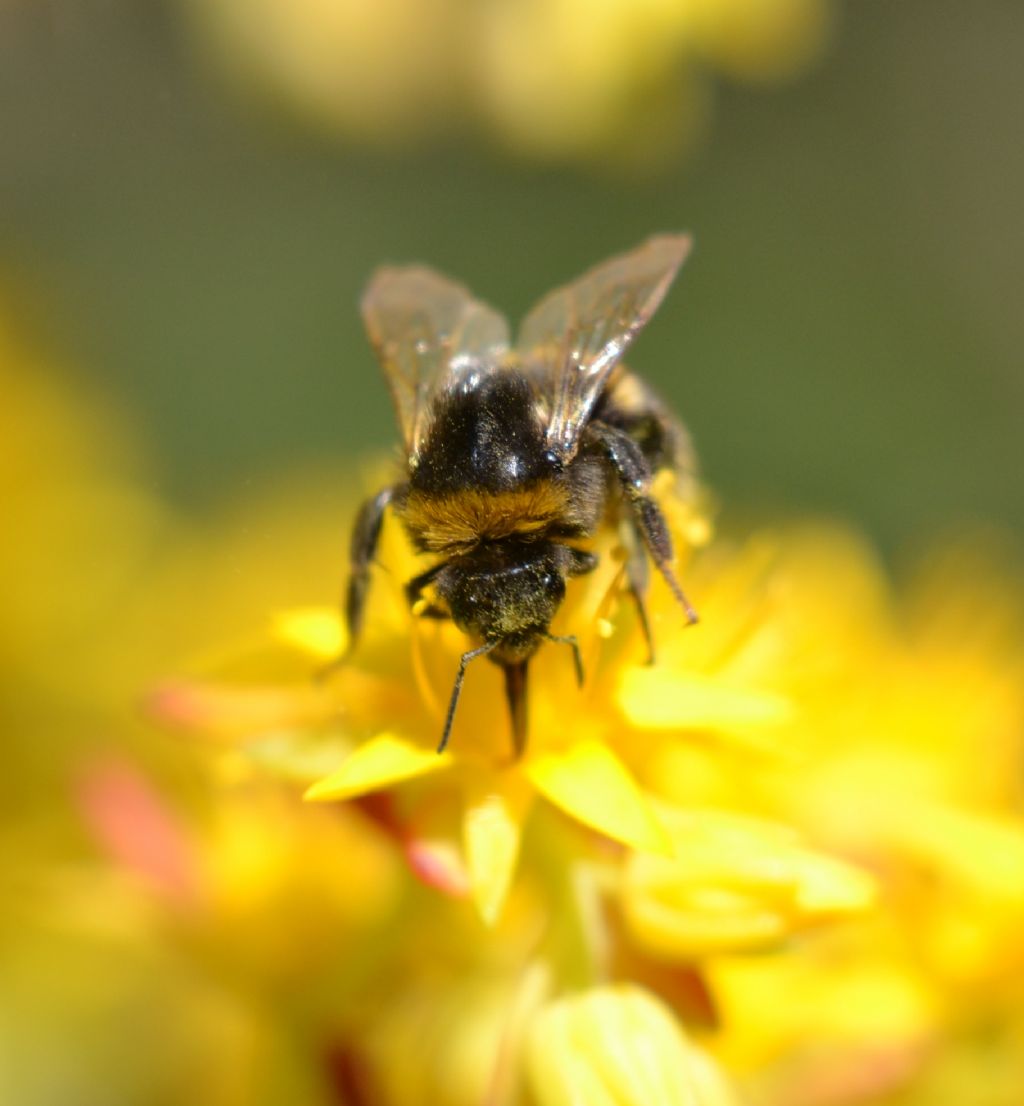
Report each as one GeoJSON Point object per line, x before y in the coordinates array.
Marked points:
{"type": "Point", "coordinates": [797, 777]}
{"type": "Point", "coordinates": [558, 80]}
{"type": "Point", "coordinates": [784, 865]}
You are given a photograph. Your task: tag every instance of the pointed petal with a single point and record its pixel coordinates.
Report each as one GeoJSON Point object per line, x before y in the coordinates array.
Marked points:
{"type": "Point", "coordinates": [493, 816]}
{"type": "Point", "coordinates": [317, 631]}
{"type": "Point", "coordinates": [589, 782]}
{"type": "Point", "coordinates": [298, 755]}
{"type": "Point", "coordinates": [378, 763]}
{"type": "Point", "coordinates": [660, 699]}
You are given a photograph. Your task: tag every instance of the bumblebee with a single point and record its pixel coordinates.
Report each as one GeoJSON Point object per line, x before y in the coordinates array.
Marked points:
{"type": "Point", "coordinates": [516, 455]}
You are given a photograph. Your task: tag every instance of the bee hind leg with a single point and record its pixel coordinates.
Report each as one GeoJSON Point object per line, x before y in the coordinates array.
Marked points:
{"type": "Point", "coordinates": [637, 579]}
{"type": "Point", "coordinates": [634, 475]}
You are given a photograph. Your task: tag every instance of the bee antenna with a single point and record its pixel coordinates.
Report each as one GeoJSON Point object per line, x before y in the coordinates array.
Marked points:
{"type": "Point", "coordinates": [577, 656]}
{"type": "Point", "coordinates": [457, 690]}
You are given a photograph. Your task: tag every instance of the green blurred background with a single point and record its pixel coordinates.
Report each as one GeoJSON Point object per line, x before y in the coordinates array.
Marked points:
{"type": "Point", "coordinates": [846, 338]}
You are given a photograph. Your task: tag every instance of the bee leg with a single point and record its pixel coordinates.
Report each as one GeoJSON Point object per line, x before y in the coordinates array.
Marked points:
{"type": "Point", "coordinates": [637, 578]}
{"type": "Point", "coordinates": [432, 611]}
{"type": "Point", "coordinates": [362, 550]}
{"type": "Point", "coordinates": [634, 474]}
{"type": "Point", "coordinates": [577, 657]}
{"type": "Point", "coordinates": [457, 690]}
{"type": "Point", "coordinates": [580, 562]}
{"type": "Point", "coordinates": [515, 693]}
{"type": "Point", "coordinates": [414, 595]}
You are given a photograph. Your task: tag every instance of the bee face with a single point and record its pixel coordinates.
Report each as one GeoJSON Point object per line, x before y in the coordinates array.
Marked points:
{"type": "Point", "coordinates": [506, 593]}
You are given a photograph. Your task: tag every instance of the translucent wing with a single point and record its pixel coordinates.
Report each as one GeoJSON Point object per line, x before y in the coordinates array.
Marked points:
{"type": "Point", "coordinates": [428, 333]}
{"type": "Point", "coordinates": [575, 336]}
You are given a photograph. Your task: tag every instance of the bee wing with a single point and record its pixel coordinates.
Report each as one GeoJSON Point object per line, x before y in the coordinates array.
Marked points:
{"type": "Point", "coordinates": [428, 332]}
{"type": "Point", "coordinates": [575, 336]}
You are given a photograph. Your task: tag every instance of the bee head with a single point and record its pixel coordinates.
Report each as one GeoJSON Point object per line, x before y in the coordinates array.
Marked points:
{"type": "Point", "coordinates": [506, 592]}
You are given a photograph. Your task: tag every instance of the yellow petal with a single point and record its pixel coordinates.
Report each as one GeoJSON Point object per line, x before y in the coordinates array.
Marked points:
{"type": "Point", "coordinates": [378, 763]}
{"type": "Point", "coordinates": [827, 886]}
{"type": "Point", "coordinates": [735, 884]}
{"type": "Point", "coordinates": [299, 756]}
{"type": "Point", "coordinates": [661, 699]}
{"type": "Point", "coordinates": [714, 922]}
{"type": "Point", "coordinates": [621, 1047]}
{"type": "Point", "coordinates": [317, 631]}
{"type": "Point", "coordinates": [495, 808]}
{"type": "Point", "coordinates": [589, 782]}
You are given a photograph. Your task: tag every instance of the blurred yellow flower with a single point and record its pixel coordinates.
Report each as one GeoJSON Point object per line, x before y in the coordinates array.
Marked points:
{"type": "Point", "coordinates": [373, 71]}
{"type": "Point", "coordinates": [733, 884]}
{"type": "Point", "coordinates": [904, 756]}
{"type": "Point", "coordinates": [807, 755]}
{"type": "Point", "coordinates": [823, 772]}
{"type": "Point", "coordinates": [72, 514]}
{"type": "Point", "coordinates": [559, 80]}
{"type": "Point", "coordinates": [756, 39]}
{"type": "Point", "coordinates": [149, 934]}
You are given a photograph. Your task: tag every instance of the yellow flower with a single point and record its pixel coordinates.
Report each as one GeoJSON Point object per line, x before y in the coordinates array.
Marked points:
{"type": "Point", "coordinates": [232, 948]}
{"type": "Point", "coordinates": [393, 691]}
{"type": "Point", "coordinates": [380, 72]}
{"type": "Point", "coordinates": [78, 528]}
{"type": "Point", "coordinates": [809, 731]}
{"type": "Point", "coordinates": [137, 906]}
{"type": "Point", "coordinates": [902, 755]}
{"type": "Point", "coordinates": [817, 751]}
{"type": "Point", "coordinates": [561, 80]}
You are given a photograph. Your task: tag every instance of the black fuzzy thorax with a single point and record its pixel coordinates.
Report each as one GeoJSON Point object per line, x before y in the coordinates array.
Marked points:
{"type": "Point", "coordinates": [484, 434]}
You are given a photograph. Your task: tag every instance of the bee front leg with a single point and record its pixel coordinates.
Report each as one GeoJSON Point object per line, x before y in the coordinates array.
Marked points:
{"type": "Point", "coordinates": [634, 476]}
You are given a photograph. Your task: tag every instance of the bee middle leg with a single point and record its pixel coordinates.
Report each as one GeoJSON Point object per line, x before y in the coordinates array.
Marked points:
{"type": "Point", "coordinates": [634, 475]}
{"type": "Point", "coordinates": [362, 551]}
